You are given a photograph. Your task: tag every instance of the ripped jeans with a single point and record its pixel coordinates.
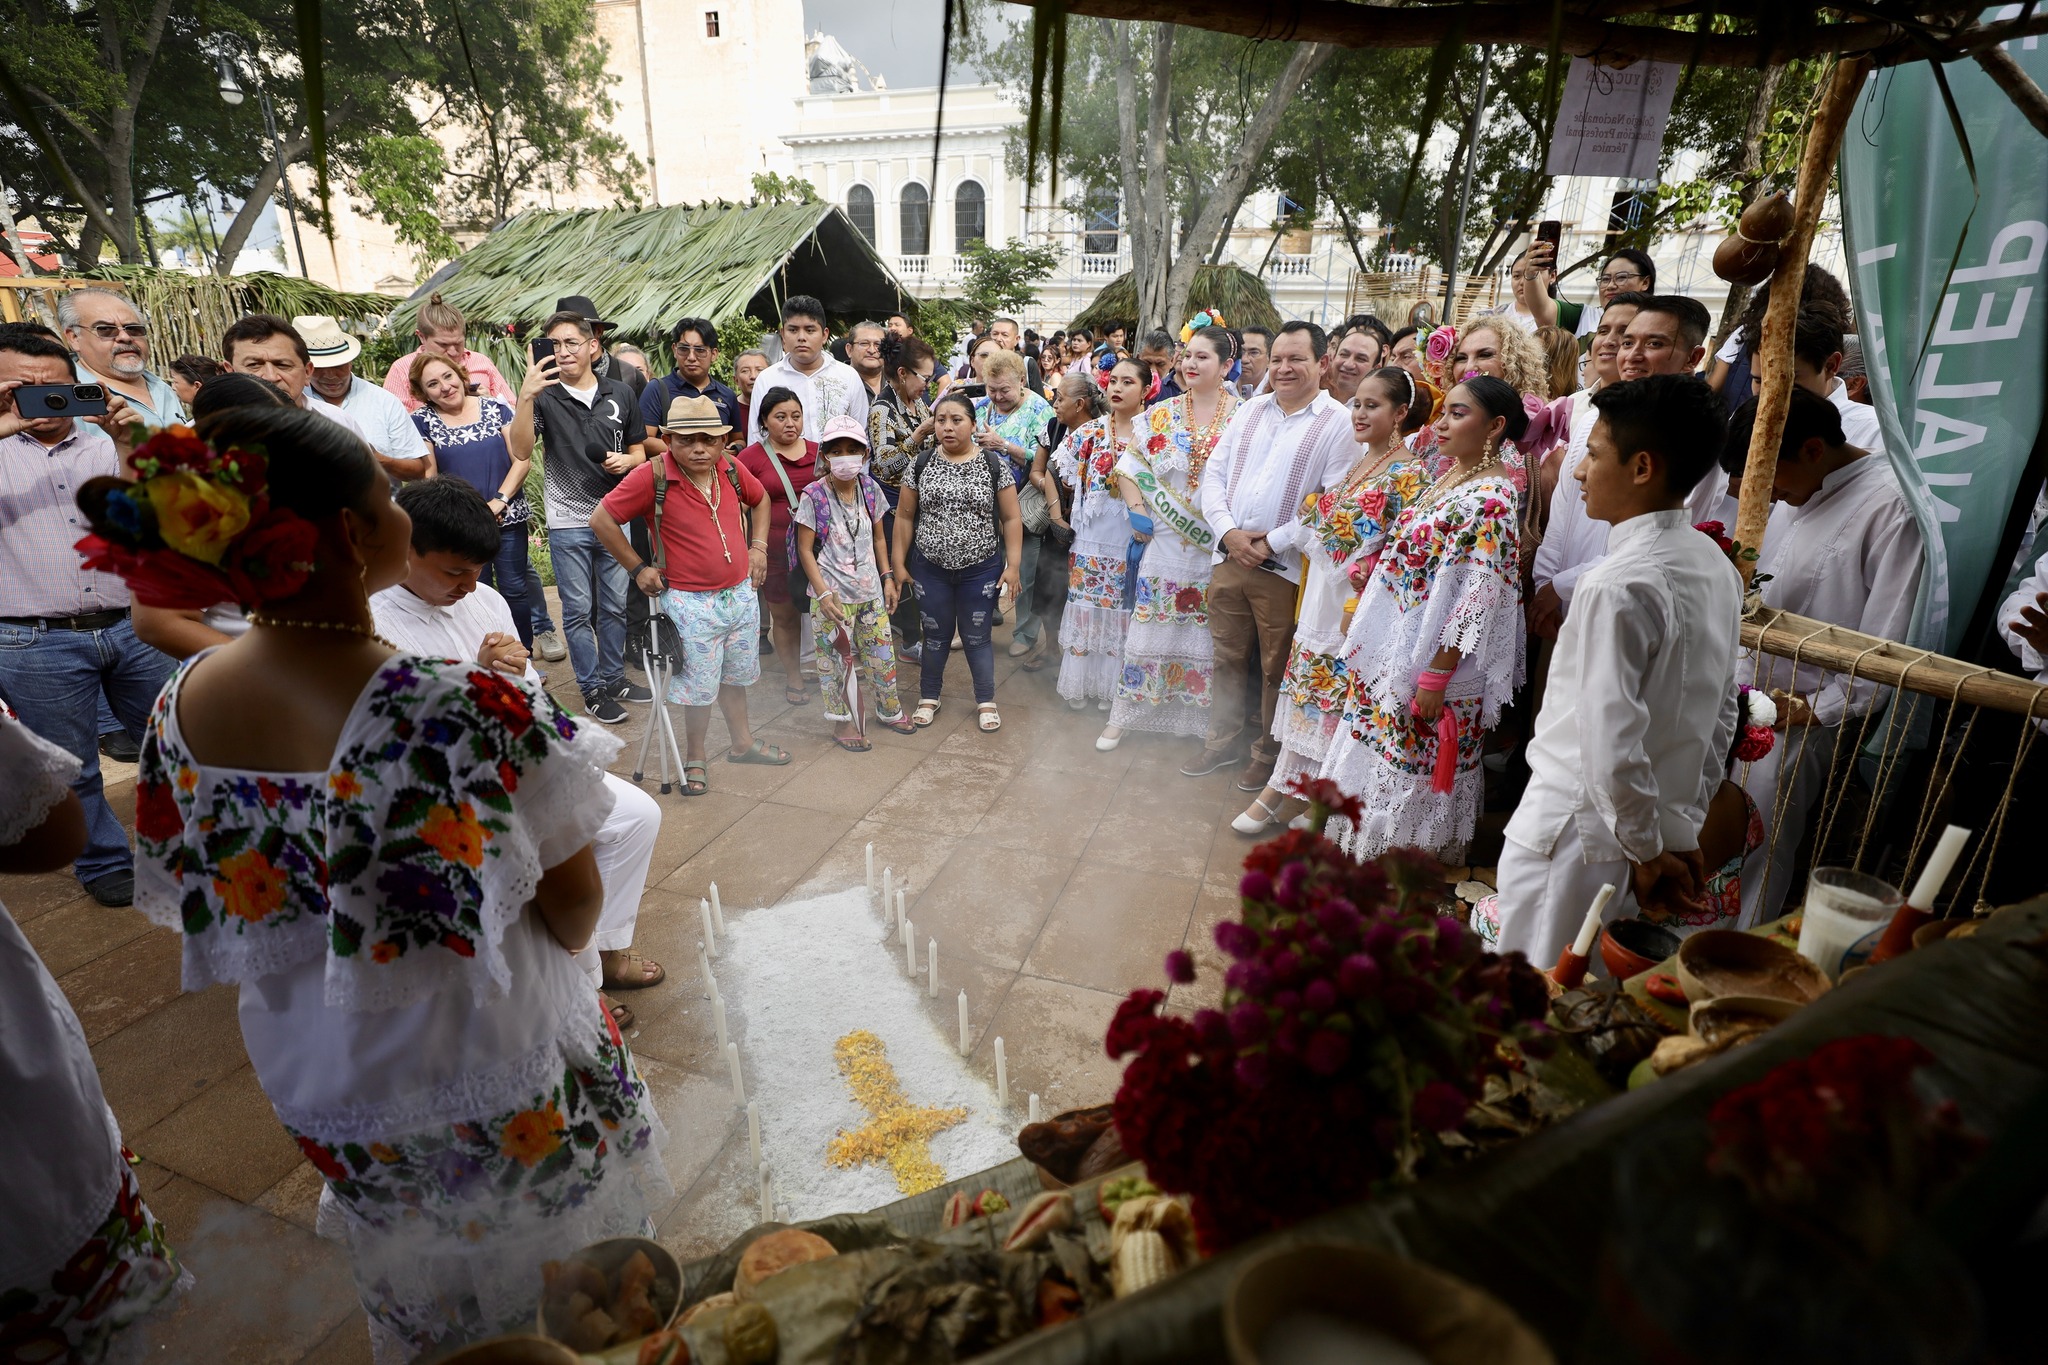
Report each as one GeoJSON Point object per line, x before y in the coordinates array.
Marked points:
{"type": "Point", "coordinates": [962, 600]}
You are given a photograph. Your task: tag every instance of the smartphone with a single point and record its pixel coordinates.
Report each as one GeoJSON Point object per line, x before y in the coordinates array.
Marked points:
{"type": "Point", "coordinates": [973, 389]}
{"type": "Point", "coordinates": [1552, 231]}
{"type": "Point", "coordinates": [543, 350]}
{"type": "Point", "coordinates": [37, 401]}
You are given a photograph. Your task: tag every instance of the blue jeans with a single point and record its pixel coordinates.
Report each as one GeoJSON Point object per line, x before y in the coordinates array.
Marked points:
{"type": "Point", "coordinates": [511, 573]}
{"type": "Point", "coordinates": [962, 600]}
{"type": "Point", "coordinates": [53, 679]}
{"type": "Point", "coordinates": [593, 588]}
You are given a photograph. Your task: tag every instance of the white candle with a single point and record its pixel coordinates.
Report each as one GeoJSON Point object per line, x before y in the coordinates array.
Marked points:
{"type": "Point", "coordinates": [717, 909]}
{"type": "Point", "coordinates": [1002, 1077]}
{"type": "Point", "coordinates": [888, 889]}
{"type": "Point", "coordinates": [767, 1195]}
{"type": "Point", "coordinates": [871, 869]}
{"type": "Point", "coordinates": [710, 935]}
{"type": "Point", "coordinates": [732, 1064]}
{"type": "Point", "coordinates": [909, 950]}
{"type": "Point", "coordinates": [704, 966]}
{"type": "Point", "coordinates": [754, 1129]}
{"type": "Point", "coordinates": [1034, 1107]}
{"type": "Point", "coordinates": [718, 1017]}
{"type": "Point", "coordinates": [963, 1023]}
{"type": "Point", "coordinates": [931, 961]}
{"type": "Point", "coordinates": [902, 906]}
{"type": "Point", "coordinates": [1939, 864]}
{"type": "Point", "coordinates": [1582, 946]}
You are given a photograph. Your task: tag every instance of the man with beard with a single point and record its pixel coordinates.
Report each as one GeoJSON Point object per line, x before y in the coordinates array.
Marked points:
{"type": "Point", "coordinates": [111, 340]}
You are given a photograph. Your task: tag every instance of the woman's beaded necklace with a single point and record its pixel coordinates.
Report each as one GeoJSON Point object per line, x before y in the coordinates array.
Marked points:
{"type": "Point", "coordinates": [1203, 440]}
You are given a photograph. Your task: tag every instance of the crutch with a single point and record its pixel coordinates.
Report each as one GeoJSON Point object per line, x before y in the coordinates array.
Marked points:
{"type": "Point", "coordinates": [656, 665]}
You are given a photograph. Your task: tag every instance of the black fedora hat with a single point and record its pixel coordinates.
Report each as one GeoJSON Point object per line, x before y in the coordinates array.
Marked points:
{"type": "Point", "coordinates": [581, 305]}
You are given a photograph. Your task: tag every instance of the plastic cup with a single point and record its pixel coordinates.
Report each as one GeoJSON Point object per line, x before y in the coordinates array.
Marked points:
{"type": "Point", "coordinates": [1845, 914]}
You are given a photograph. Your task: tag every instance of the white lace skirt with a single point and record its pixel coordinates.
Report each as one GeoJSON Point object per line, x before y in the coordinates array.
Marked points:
{"type": "Point", "coordinates": [1169, 656]}
{"type": "Point", "coordinates": [1092, 630]}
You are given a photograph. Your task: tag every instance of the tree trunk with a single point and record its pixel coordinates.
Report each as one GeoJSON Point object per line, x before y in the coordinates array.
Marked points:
{"type": "Point", "coordinates": [1744, 171]}
{"type": "Point", "coordinates": [1307, 60]}
{"type": "Point", "coordinates": [1152, 292]}
{"type": "Point", "coordinates": [255, 206]}
{"type": "Point", "coordinates": [1131, 211]}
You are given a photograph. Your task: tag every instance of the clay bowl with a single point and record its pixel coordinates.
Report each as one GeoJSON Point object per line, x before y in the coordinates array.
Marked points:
{"type": "Point", "coordinates": [513, 1350]}
{"type": "Point", "coordinates": [1343, 1297]}
{"type": "Point", "coordinates": [1721, 962]}
{"type": "Point", "coordinates": [608, 1256]}
{"type": "Point", "coordinates": [1726, 1017]}
{"type": "Point", "coordinates": [1629, 946]}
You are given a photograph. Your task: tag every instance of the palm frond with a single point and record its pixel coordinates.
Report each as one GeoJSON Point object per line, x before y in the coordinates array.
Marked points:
{"type": "Point", "coordinates": [188, 312]}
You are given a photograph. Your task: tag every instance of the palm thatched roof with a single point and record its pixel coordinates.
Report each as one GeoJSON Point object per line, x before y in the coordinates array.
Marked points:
{"type": "Point", "coordinates": [189, 312]}
{"type": "Point", "coordinates": [1240, 295]}
{"type": "Point", "coordinates": [644, 268]}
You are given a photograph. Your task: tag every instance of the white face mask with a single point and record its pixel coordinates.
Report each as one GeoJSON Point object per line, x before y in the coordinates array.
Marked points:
{"type": "Point", "coordinates": [845, 466]}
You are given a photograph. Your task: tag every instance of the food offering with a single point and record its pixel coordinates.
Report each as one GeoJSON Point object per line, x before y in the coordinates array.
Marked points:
{"type": "Point", "coordinates": [609, 1294]}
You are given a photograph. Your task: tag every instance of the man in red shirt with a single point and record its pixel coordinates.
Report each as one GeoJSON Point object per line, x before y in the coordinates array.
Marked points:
{"type": "Point", "coordinates": [706, 575]}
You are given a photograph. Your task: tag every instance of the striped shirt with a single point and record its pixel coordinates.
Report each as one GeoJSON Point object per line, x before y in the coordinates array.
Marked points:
{"type": "Point", "coordinates": [40, 524]}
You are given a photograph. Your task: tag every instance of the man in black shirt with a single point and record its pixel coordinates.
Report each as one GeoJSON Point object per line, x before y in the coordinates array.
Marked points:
{"type": "Point", "coordinates": [605, 367]}
{"type": "Point", "coordinates": [694, 344]}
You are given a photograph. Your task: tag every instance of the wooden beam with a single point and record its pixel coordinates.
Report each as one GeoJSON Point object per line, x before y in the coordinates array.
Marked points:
{"type": "Point", "coordinates": [2017, 84]}
{"type": "Point", "coordinates": [1891, 664]}
{"type": "Point", "coordinates": [1385, 25]}
{"type": "Point", "coordinates": [1773, 349]}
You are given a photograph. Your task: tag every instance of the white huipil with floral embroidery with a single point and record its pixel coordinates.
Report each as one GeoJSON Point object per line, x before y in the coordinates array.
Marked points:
{"type": "Point", "coordinates": [1449, 576]}
{"type": "Point", "coordinates": [436, 1053]}
{"type": "Point", "coordinates": [1346, 525]}
{"type": "Point", "coordinates": [1169, 655]}
{"type": "Point", "coordinates": [1093, 627]}
{"type": "Point", "coordinates": [80, 1254]}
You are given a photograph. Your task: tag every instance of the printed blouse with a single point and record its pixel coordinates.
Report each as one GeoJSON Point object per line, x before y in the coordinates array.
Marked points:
{"type": "Point", "coordinates": [475, 453]}
{"type": "Point", "coordinates": [958, 522]}
{"type": "Point", "coordinates": [890, 424]}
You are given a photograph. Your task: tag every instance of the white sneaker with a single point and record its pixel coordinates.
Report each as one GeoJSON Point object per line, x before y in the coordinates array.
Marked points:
{"type": "Point", "coordinates": [550, 646]}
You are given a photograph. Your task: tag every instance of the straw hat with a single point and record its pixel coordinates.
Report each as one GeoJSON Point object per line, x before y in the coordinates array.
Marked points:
{"type": "Point", "coordinates": [696, 414]}
{"type": "Point", "coordinates": [326, 343]}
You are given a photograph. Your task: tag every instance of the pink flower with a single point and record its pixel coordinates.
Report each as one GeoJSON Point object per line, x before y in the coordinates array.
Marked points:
{"type": "Point", "coordinates": [1440, 1107]}
{"type": "Point", "coordinates": [1180, 967]}
{"type": "Point", "coordinates": [1441, 343]}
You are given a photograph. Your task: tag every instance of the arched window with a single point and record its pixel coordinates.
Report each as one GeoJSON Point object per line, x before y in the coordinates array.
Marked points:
{"type": "Point", "coordinates": [916, 217]}
{"type": "Point", "coordinates": [860, 207]}
{"type": "Point", "coordinates": [970, 215]}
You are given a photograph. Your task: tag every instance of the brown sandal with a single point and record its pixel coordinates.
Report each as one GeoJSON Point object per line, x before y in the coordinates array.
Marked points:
{"type": "Point", "coordinates": [634, 977]}
{"type": "Point", "coordinates": [622, 1018]}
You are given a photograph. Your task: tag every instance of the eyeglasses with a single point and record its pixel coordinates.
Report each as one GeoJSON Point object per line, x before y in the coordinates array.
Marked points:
{"type": "Point", "coordinates": [1619, 277]}
{"type": "Point", "coordinates": [683, 348]}
{"type": "Point", "coordinates": [107, 331]}
{"type": "Point", "coordinates": [871, 345]}
{"type": "Point", "coordinates": [1525, 276]}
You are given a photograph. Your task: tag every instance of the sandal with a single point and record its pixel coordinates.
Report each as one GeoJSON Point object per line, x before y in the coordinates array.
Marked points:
{"type": "Point", "coordinates": [853, 744]}
{"type": "Point", "coordinates": [701, 783]}
{"type": "Point", "coordinates": [796, 696]}
{"type": "Point", "coordinates": [761, 752]}
{"type": "Point", "coordinates": [622, 1018]}
{"type": "Point", "coordinates": [635, 976]}
{"type": "Point", "coordinates": [927, 712]}
{"type": "Point", "coordinates": [902, 725]}
{"type": "Point", "coordinates": [990, 720]}
{"type": "Point", "coordinates": [1039, 657]}
{"type": "Point", "coordinates": [1248, 823]}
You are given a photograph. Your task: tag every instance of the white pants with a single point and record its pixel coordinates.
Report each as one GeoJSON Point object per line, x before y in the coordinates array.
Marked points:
{"type": "Point", "coordinates": [1761, 903]}
{"type": "Point", "coordinates": [624, 847]}
{"type": "Point", "coordinates": [1543, 901]}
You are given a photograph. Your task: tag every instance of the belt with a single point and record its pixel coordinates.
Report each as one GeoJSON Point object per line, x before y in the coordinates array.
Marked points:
{"type": "Point", "coordinates": [91, 620]}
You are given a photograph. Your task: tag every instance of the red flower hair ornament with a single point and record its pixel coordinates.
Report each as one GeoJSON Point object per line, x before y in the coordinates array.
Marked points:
{"type": "Point", "coordinates": [196, 528]}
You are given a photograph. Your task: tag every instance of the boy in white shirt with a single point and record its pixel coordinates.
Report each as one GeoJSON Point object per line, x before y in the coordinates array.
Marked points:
{"type": "Point", "coordinates": [1640, 709]}
{"type": "Point", "coordinates": [443, 612]}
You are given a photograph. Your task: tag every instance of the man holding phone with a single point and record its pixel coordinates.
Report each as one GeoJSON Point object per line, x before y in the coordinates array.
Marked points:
{"type": "Point", "coordinates": [65, 635]}
{"type": "Point", "coordinates": [591, 433]}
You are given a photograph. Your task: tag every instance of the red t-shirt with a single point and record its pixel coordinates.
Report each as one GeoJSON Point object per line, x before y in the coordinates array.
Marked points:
{"type": "Point", "coordinates": [802, 473]}
{"type": "Point", "coordinates": [699, 560]}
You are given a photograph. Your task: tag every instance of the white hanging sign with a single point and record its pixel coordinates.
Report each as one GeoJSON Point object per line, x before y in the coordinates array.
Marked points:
{"type": "Point", "coordinates": [1612, 119]}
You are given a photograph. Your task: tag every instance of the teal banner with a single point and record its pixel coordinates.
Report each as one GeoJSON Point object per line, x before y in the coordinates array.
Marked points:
{"type": "Point", "coordinates": [1948, 245]}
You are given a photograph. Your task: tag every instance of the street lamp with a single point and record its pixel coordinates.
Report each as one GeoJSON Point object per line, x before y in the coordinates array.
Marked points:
{"type": "Point", "coordinates": [229, 48]}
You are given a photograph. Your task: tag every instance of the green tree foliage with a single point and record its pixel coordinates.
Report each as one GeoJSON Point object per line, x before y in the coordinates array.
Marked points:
{"type": "Point", "coordinates": [770, 188]}
{"type": "Point", "coordinates": [113, 104]}
{"type": "Point", "coordinates": [402, 178]}
{"type": "Point", "coordinates": [1005, 279]}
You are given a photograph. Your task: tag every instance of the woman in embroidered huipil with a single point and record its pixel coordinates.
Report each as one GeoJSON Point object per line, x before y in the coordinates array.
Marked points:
{"type": "Point", "coordinates": [1168, 654]}
{"type": "Point", "coordinates": [395, 869]}
{"type": "Point", "coordinates": [1093, 626]}
{"type": "Point", "coordinates": [1347, 525]}
{"type": "Point", "coordinates": [1435, 647]}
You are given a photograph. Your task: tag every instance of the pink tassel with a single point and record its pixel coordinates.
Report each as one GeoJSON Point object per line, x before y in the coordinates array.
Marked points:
{"type": "Point", "coordinates": [1444, 779]}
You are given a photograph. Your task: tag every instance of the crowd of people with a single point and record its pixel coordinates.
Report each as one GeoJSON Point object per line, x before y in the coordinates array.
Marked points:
{"type": "Point", "coordinates": [1415, 562]}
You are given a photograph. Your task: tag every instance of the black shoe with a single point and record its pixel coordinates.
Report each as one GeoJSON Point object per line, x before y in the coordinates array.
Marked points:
{"type": "Point", "coordinates": [1210, 761]}
{"type": "Point", "coordinates": [603, 709]}
{"type": "Point", "coordinates": [632, 691]}
{"type": "Point", "coordinates": [767, 646]}
{"type": "Point", "coordinates": [113, 889]}
{"type": "Point", "coordinates": [116, 745]}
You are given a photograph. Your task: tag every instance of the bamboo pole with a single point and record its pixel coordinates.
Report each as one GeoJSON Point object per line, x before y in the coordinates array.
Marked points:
{"type": "Point", "coordinates": [1774, 349]}
{"type": "Point", "coordinates": [1891, 664]}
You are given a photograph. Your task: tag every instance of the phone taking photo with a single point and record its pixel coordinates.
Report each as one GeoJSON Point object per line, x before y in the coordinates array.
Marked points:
{"type": "Point", "coordinates": [543, 350]}
{"type": "Point", "coordinates": [38, 401]}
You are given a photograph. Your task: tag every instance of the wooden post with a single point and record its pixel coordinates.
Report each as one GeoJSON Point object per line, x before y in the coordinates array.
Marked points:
{"type": "Point", "coordinates": [1774, 348]}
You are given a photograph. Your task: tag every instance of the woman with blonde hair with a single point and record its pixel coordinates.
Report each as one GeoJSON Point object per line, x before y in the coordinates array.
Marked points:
{"type": "Point", "coordinates": [1563, 350]}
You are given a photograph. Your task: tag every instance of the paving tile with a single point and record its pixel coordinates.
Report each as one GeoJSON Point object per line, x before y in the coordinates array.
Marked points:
{"type": "Point", "coordinates": [1165, 833]}
{"type": "Point", "coordinates": [762, 855]}
{"type": "Point", "coordinates": [296, 1198]}
{"type": "Point", "coordinates": [849, 784]}
{"type": "Point", "coordinates": [1024, 728]}
{"type": "Point", "coordinates": [1045, 810]}
{"type": "Point", "coordinates": [74, 934]}
{"type": "Point", "coordinates": [680, 1032]}
{"type": "Point", "coordinates": [117, 988]}
{"type": "Point", "coordinates": [942, 793]}
{"type": "Point", "coordinates": [913, 855]}
{"type": "Point", "coordinates": [1052, 1038]}
{"type": "Point", "coordinates": [1112, 928]}
{"type": "Point", "coordinates": [700, 1116]}
{"type": "Point", "coordinates": [1213, 904]}
{"type": "Point", "coordinates": [723, 1203]}
{"type": "Point", "coordinates": [348, 1344]}
{"type": "Point", "coordinates": [30, 897]}
{"type": "Point", "coordinates": [228, 1138]}
{"type": "Point", "coordinates": [264, 1293]}
{"type": "Point", "coordinates": [988, 905]}
{"type": "Point", "coordinates": [1067, 744]}
{"type": "Point", "coordinates": [688, 823]}
{"type": "Point", "coordinates": [165, 1058]}
{"type": "Point", "coordinates": [986, 986]}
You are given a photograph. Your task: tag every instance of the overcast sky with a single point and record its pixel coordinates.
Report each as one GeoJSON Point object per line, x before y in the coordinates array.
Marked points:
{"type": "Point", "coordinates": [898, 40]}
